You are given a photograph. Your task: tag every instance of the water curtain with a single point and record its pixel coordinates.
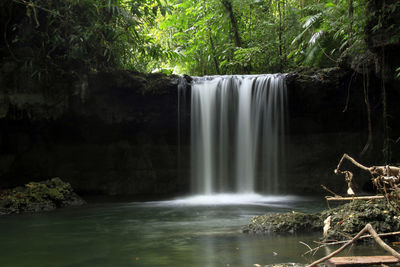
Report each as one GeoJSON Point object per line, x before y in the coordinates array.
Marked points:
{"type": "Point", "coordinates": [237, 129]}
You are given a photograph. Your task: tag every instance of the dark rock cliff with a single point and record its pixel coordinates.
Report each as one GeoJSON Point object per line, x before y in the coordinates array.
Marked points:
{"type": "Point", "coordinates": [110, 133]}
{"type": "Point", "coordinates": [117, 133]}
{"type": "Point", "coordinates": [328, 116]}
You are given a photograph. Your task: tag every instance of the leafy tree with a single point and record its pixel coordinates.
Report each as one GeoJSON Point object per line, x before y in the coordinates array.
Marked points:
{"type": "Point", "coordinates": [258, 36]}
{"type": "Point", "coordinates": [329, 31]}
{"type": "Point", "coordinates": [53, 38]}
{"type": "Point", "coordinates": [184, 36]}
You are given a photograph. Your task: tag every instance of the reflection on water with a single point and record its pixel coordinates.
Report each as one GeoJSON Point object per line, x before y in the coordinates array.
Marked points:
{"type": "Point", "coordinates": [171, 233]}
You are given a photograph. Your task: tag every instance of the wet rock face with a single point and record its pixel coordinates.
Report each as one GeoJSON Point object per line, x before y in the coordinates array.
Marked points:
{"type": "Point", "coordinates": [327, 117]}
{"type": "Point", "coordinates": [116, 133]}
{"type": "Point", "coordinates": [109, 133]}
{"type": "Point", "coordinates": [39, 196]}
{"type": "Point", "coordinates": [318, 131]}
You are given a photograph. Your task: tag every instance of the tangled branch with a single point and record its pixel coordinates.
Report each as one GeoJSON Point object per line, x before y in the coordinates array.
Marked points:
{"type": "Point", "coordinates": [374, 234]}
{"type": "Point", "coordinates": [385, 178]}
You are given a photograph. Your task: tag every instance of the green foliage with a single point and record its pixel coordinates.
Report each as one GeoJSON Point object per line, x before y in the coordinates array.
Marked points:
{"type": "Point", "coordinates": [47, 38]}
{"type": "Point", "coordinates": [330, 31]}
{"type": "Point", "coordinates": [53, 38]}
{"type": "Point", "coordinates": [275, 35]}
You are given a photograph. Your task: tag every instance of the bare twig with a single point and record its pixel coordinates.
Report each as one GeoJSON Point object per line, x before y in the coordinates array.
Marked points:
{"type": "Point", "coordinates": [305, 244]}
{"type": "Point", "coordinates": [330, 191]}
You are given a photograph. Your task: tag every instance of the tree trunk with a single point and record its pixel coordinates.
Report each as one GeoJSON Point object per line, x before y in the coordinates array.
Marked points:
{"type": "Point", "coordinates": [237, 40]}
{"type": "Point", "coordinates": [214, 53]}
{"type": "Point", "coordinates": [280, 37]}
{"type": "Point", "coordinates": [228, 6]}
{"type": "Point", "coordinates": [351, 12]}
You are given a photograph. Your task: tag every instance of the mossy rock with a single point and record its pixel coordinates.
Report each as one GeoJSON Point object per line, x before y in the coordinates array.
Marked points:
{"type": "Point", "coordinates": [38, 196]}
{"type": "Point", "coordinates": [293, 222]}
{"type": "Point", "coordinates": [352, 217]}
{"type": "Point", "coordinates": [346, 220]}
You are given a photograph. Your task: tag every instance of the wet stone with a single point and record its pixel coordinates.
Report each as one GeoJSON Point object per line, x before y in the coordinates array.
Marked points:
{"type": "Point", "coordinates": [346, 220]}
{"type": "Point", "coordinates": [39, 196]}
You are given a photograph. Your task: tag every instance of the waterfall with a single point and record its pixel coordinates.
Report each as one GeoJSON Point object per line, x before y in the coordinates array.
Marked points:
{"type": "Point", "coordinates": [237, 129]}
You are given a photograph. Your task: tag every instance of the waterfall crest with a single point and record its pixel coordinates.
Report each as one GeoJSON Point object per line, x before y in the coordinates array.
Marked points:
{"type": "Point", "coordinates": [237, 129]}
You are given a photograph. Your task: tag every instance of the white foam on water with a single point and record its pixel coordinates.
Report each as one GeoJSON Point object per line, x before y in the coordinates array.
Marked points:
{"type": "Point", "coordinates": [231, 200]}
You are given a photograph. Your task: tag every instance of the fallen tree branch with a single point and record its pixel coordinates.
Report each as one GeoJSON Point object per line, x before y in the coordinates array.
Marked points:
{"type": "Point", "coordinates": [305, 244]}
{"type": "Point", "coordinates": [353, 198]}
{"type": "Point", "coordinates": [345, 156]}
{"type": "Point", "coordinates": [325, 244]}
{"type": "Point", "coordinates": [385, 178]}
{"type": "Point", "coordinates": [373, 233]}
{"type": "Point", "coordinates": [374, 170]}
{"type": "Point", "coordinates": [330, 191]}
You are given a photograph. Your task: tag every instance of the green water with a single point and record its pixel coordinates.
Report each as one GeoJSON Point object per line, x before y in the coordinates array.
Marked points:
{"type": "Point", "coordinates": [152, 234]}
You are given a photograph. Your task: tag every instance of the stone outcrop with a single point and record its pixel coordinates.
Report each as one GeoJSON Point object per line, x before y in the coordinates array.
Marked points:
{"type": "Point", "coordinates": [327, 118]}
{"type": "Point", "coordinates": [346, 220]}
{"type": "Point", "coordinates": [108, 133]}
{"type": "Point", "coordinates": [39, 196]}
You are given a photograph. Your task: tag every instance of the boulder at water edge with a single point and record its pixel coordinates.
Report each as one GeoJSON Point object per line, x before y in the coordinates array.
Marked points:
{"type": "Point", "coordinates": [39, 196]}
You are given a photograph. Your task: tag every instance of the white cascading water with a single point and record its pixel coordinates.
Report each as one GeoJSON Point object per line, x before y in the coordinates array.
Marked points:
{"type": "Point", "coordinates": [237, 129]}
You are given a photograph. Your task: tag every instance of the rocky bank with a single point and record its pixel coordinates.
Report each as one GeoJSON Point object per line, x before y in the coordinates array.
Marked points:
{"type": "Point", "coordinates": [39, 196]}
{"type": "Point", "coordinates": [346, 220]}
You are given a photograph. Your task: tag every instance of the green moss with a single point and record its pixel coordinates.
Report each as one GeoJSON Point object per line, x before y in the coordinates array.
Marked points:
{"type": "Point", "coordinates": [346, 219]}
{"type": "Point", "coordinates": [37, 196]}
{"type": "Point", "coordinates": [284, 223]}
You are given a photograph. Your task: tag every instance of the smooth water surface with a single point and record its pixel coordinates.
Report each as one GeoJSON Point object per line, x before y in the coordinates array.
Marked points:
{"type": "Point", "coordinates": [197, 231]}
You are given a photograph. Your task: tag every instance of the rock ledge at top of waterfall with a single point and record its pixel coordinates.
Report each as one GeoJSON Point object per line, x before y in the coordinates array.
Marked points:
{"type": "Point", "coordinates": [347, 219]}
{"type": "Point", "coordinates": [38, 196]}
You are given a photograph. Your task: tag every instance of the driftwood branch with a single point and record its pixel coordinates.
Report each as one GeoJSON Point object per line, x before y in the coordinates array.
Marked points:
{"type": "Point", "coordinates": [330, 191]}
{"type": "Point", "coordinates": [374, 170]}
{"type": "Point", "coordinates": [385, 178]}
{"type": "Point", "coordinates": [305, 244]}
{"type": "Point", "coordinates": [345, 156]}
{"type": "Point", "coordinates": [353, 198]}
{"type": "Point", "coordinates": [325, 244]}
{"type": "Point", "coordinates": [373, 233]}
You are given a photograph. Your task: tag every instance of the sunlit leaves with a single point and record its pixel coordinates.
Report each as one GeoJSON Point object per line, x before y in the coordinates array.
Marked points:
{"type": "Point", "coordinates": [329, 28]}
{"type": "Point", "coordinates": [188, 36]}
{"type": "Point", "coordinates": [84, 35]}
